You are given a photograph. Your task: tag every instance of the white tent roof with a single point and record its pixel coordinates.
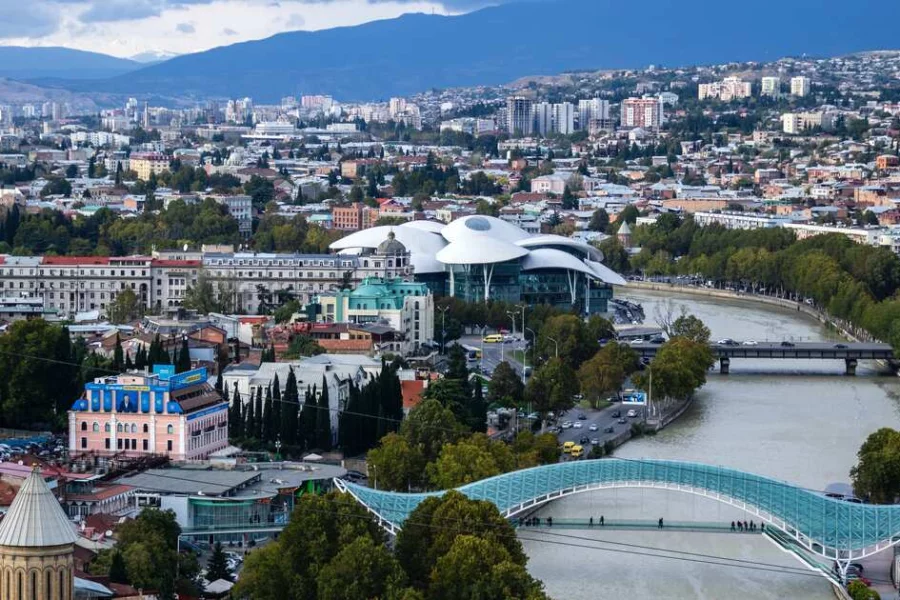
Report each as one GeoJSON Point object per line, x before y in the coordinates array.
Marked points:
{"type": "Point", "coordinates": [422, 245]}
{"type": "Point", "coordinates": [477, 226]}
{"type": "Point", "coordinates": [482, 251]}
{"type": "Point", "coordinates": [35, 518]}
{"type": "Point", "coordinates": [550, 258]}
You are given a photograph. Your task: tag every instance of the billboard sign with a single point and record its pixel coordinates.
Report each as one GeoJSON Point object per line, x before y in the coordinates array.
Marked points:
{"type": "Point", "coordinates": [633, 397]}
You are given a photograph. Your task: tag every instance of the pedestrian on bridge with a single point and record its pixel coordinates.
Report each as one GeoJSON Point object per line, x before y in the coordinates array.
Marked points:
{"type": "Point", "coordinates": [752, 526]}
{"type": "Point", "coordinates": [762, 527]}
{"type": "Point", "coordinates": [660, 523]}
{"type": "Point", "coordinates": [740, 526]}
{"type": "Point", "coordinates": [746, 527]}
{"type": "Point", "coordinates": [732, 526]}
{"type": "Point", "coordinates": [601, 520]}
{"type": "Point", "coordinates": [591, 522]}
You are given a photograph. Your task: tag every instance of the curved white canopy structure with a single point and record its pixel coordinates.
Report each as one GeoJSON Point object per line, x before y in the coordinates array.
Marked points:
{"type": "Point", "coordinates": [550, 258]}
{"type": "Point", "coordinates": [605, 274]}
{"type": "Point", "coordinates": [478, 226]}
{"type": "Point", "coordinates": [483, 251]}
{"type": "Point", "coordinates": [549, 239]}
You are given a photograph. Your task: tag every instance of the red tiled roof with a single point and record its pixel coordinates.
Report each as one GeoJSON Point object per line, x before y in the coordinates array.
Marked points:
{"type": "Point", "coordinates": [75, 260]}
{"type": "Point", "coordinates": [412, 392]}
{"type": "Point", "coordinates": [102, 493]}
{"type": "Point", "coordinates": [159, 262]}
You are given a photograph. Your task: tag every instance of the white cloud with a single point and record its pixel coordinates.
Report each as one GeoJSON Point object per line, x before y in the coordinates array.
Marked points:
{"type": "Point", "coordinates": [128, 27]}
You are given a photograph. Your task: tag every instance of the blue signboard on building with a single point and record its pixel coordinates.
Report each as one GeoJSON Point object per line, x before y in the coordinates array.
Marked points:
{"type": "Point", "coordinates": [188, 378]}
{"type": "Point", "coordinates": [165, 372]}
{"type": "Point", "coordinates": [632, 397]}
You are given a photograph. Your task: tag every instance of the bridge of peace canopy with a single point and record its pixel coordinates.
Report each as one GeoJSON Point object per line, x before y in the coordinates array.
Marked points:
{"type": "Point", "coordinates": [826, 527]}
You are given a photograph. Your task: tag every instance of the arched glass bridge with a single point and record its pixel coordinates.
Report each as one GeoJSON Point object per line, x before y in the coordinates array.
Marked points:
{"type": "Point", "coordinates": [826, 527]}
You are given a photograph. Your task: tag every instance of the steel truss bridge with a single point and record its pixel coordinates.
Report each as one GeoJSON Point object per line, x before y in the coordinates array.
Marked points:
{"type": "Point", "coordinates": [826, 527]}
{"type": "Point", "coordinates": [850, 352]}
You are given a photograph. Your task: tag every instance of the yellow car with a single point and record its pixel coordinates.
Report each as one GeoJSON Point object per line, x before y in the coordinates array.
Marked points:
{"type": "Point", "coordinates": [567, 447]}
{"type": "Point", "coordinates": [494, 338]}
{"type": "Point", "coordinates": [577, 452]}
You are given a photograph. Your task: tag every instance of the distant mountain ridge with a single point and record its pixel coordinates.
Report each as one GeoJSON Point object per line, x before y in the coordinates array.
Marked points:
{"type": "Point", "coordinates": [415, 52]}
{"type": "Point", "coordinates": [18, 62]}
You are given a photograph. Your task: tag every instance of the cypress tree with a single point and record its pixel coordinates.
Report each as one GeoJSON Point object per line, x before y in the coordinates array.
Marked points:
{"type": "Point", "coordinates": [307, 434]}
{"type": "Point", "coordinates": [323, 419]}
{"type": "Point", "coordinates": [290, 407]}
{"type": "Point", "coordinates": [118, 358]}
{"type": "Point", "coordinates": [250, 421]}
{"type": "Point", "coordinates": [117, 571]}
{"type": "Point", "coordinates": [128, 364]}
{"type": "Point", "coordinates": [140, 358]}
{"type": "Point", "coordinates": [219, 382]}
{"type": "Point", "coordinates": [258, 412]}
{"type": "Point", "coordinates": [268, 418]}
{"type": "Point", "coordinates": [184, 357]}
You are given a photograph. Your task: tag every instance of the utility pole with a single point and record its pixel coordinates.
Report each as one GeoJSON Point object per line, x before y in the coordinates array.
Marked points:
{"type": "Point", "coordinates": [555, 344]}
{"type": "Point", "coordinates": [443, 327]}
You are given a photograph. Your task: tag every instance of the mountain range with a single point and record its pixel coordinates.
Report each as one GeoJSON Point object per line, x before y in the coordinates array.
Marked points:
{"type": "Point", "coordinates": [415, 52]}
{"type": "Point", "coordinates": [39, 63]}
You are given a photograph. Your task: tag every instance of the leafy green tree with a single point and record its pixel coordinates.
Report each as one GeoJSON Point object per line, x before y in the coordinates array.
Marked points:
{"type": "Point", "coordinates": [125, 308]}
{"type": "Point", "coordinates": [552, 388]}
{"type": "Point", "coordinates": [605, 373]}
{"type": "Point", "coordinates": [470, 459]}
{"type": "Point", "coordinates": [860, 591]}
{"type": "Point", "coordinates": [568, 335]}
{"type": "Point", "coordinates": [679, 369]}
{"type": "Point", "coordinates": [117, 570]}
{"type": "Point", "coordinates": [506, 387]}
{"type": "Point", "coordinates": [599, 221]}
{"type": "Point", "coordinates": [429, 426]}
{"type": "Point", "coordinates": [217, 567]}
{"type": "Point", "coordinates": [302, 345]}
{"type": "Point", "coordinates": [614, 255]}
{"type": "Point", "coordinates": [628, 215]}
{"type": "Point", "coordinates": [361, 570]}
{"type": "Point", "coordinates": [396, 464]}
{"type": "Point", "coordinates": [876, 475]}
{"type": "Point", "coordinates": [690, 327]}
{"type": "Point", "coordinates": [267, 576]}
{"type": "Point", "coordinates": [474, 567]}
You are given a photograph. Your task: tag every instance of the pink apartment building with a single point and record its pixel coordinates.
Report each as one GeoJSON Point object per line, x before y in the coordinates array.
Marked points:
{"type": "Point", "coordinates": [180, 416]}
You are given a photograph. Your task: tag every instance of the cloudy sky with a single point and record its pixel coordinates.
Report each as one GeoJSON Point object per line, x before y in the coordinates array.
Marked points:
{"type": "Point", "coordinates": [129, 27]}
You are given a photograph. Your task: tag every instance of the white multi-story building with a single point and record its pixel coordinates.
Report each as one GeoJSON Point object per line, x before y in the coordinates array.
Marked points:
{"type": "Point", "coordinates": [770, 86]}
{"type": "Point", "coordinates": [72, 284]}
{"type": "Point", "coordinates": [543, 118]}
{"type": "Point", "coordinates": [588, 110]}
{"type": "Point", "coordinates": [739, 220]}
{"type": "Point", "coordinates": [730, 88]}
{"type": "Point", "coordinates": [241, 208]}
{"type": "Point", "coordinates": [797, 123]}
{"type": "Point", "coordinates": [564, 118]}
{"type": "Point", "coordinates": [800, 86]}
{"type": "Point", "coordinates": [519, 116]}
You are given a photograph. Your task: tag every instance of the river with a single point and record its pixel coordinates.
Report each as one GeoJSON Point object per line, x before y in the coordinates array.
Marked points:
{"type": "Point", "coordinates": [796, 420]}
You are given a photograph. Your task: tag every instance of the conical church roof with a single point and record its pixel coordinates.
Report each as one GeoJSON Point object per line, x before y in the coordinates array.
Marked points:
{"type": "Point", "coordinates": [35, 519]}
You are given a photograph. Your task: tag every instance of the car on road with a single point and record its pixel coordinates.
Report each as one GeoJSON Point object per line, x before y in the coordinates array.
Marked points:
{"type": "Point", "coordinates": [595, 441]}
{"type": "Point", "coordinates": [577, 424]}
{"type": "Point", "coordinates": [657, 340]}
{"type": "Point", "coordinates": [593, 427]}
{"type": "Point", "coordinates": [581, 417]}
{"type": "Point", "coordinates": [749, 343]}
{"type": "Point", "coordinates": [494, 338]}
{"type": "Point", "coordinates": [621, 421]}
{"type": "Point", "coordinates": [631, 414]}
{"type": "Point", "coordinates": [609, 429]}
{"type": "Point", "coordinates": [726, 342]}
{"type": "Point", "coordinates": [636, 342]}
{"type": "Point", "coordinates": [567, 447]}
{"type": "Point", "coordinates": [616, 414]}
{"type": "Point", "coordinates": [584, 440]}
{"type": "Point", "coordinates": [841, 346]}
{"type": "Point", "coordinates": [787, 344]}
{"type": "Point", "coordinates": [566, 424]}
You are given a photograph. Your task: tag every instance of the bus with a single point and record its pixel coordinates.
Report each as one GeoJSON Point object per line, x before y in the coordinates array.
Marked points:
{"type": "Point", "coordinates": [472, 353]}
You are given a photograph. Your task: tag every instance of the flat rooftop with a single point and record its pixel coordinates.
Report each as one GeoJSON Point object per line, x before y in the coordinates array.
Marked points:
{"type": "Point", "coordinates": [246, 481]}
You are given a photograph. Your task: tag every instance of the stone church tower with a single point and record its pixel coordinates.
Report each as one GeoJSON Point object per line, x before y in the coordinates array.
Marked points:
{"type": "Point", "coordinates": [37, 545]}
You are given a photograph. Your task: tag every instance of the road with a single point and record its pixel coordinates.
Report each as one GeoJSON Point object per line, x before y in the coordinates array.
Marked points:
{"type": "Point", "coordinates": [602, 419]}
{"type": "Point", "coordinates": [495, 353]}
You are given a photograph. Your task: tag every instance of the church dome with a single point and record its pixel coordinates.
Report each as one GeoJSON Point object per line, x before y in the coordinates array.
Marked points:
{"type": "Point", "coordinates": [391, 246]}
{"type": "Point", "coordinates": [35, 518]}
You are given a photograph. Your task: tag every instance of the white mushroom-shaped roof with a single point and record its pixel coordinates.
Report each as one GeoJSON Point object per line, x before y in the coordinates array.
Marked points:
{"type": "Point", "coordinates": [549, 239]}
{"type": "Point", "coordinates": [550, 258]}
{"type": "Point", "coordinates": [474, 226]}
{"type": "Point", "coordinates": [483, 251]}
{"type": "Point", "coordinates": [422, 245]}
{"type": "Point", "coordinates": [35, 518]}
{"type": "Point", "coordinates": [432, 226]}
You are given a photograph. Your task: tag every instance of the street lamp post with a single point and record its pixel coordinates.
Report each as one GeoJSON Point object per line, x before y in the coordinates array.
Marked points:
{"type": "Point", "coordinates": [525, 352]}
{"type": "Point", "coordinates": [443, 327]}
{"type": "Point", "coordinates": [555, 345]}
{"type": "Point", "coordinates": [483, 330]}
